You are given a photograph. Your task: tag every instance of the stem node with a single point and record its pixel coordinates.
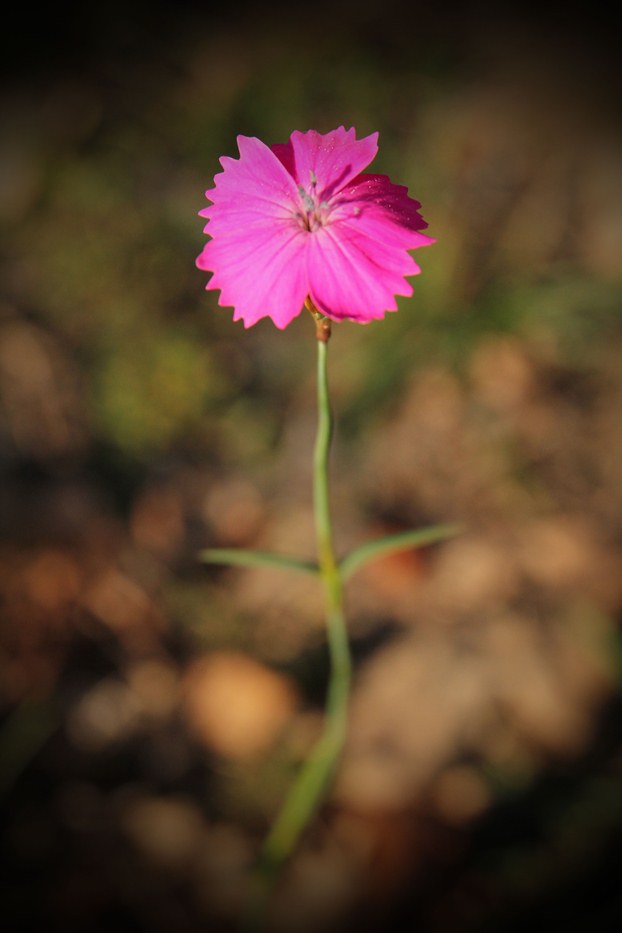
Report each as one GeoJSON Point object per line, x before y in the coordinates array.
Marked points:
{"type": "Point", "coordinates": [323, 329]}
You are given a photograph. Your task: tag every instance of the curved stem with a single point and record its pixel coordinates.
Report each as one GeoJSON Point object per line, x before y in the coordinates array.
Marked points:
{"type": "Point", "coordinates": [313, 779]}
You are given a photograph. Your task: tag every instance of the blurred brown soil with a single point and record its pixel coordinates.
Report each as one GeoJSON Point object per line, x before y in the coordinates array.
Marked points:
{"type": "Point", "coordinates": [142, 760]}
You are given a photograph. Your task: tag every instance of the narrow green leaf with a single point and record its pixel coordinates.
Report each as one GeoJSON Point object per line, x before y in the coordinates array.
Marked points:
{"type": "Point", "coordinates": [399, 542]}
{"type": "Point", "coordinates": [240, 558]}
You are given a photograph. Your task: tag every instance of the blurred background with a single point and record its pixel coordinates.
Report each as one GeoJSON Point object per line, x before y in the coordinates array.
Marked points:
{"type": "Point", "coordinates": [154, 710]}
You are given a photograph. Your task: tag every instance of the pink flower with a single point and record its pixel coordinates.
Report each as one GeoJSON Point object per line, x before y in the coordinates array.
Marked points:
{"type": "Point", "coordinates": [297, 220]}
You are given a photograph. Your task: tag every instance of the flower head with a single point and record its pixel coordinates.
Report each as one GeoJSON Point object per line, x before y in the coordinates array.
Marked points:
{"type": "Point", "coordinates": [299, 221]}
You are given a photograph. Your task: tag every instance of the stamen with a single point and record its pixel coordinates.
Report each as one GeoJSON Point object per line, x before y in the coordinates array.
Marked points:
{"type": "Point", "coordinates": [307, 200]}
{"type": "Point", "coordinates": [313, 215]}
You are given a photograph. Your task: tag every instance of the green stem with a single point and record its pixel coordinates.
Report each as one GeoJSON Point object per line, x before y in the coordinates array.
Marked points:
{"type": "Point", "coordinates": [313, 779]}
{"type": "Point", "coordinates": [330, 572]}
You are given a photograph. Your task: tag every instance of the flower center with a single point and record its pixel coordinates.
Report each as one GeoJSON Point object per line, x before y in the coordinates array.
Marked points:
{"type": "Point", "coordinates": [312, 214]}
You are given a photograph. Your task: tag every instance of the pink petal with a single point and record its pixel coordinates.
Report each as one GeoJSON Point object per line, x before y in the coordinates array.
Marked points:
{"type": "Point", "coordinates": [254, 186]}
{"type": "Point", "coordinates": [359, 261]}
{"type": "Point", "coordinates": [382, 209]}
{"type": "Point", "coordinates": [260, 271]}
{"type": "Point", "coordinates": [352, 278]}
{"type": "Point", "coordinates": [332, 159]}
{"type": "Point", "coordinates": [257, 248]}
{"type": "Point", "coordinates": [285, 154]}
